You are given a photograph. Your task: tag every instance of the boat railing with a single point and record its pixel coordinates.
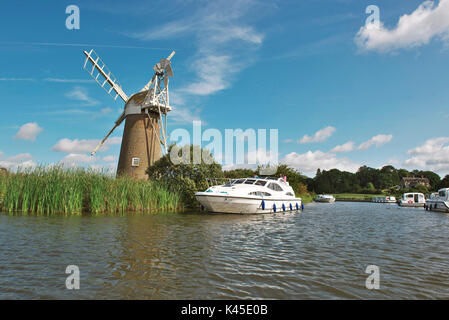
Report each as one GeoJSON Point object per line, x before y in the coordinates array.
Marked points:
{"type": "Point", "coordinates": [217, 181]}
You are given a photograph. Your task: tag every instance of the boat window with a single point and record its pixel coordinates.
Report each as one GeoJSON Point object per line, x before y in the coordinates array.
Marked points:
{"type": "Point", "coordinates": [261, 183]}
{"type": "Point", "coordinates": [260, 193]}
{"type": "Point", "coordinates": [250, 181]}
{"type": "Point", "coordinates": [289, 194]}
{"type": "Point", "coordinates": [409, 195]}
{"type": "Point", "coordinates": [240, 181]}
{"type": "Point", "coordinates": [442, 193]}
{"type": "Point", "coordinates": [275, 187]}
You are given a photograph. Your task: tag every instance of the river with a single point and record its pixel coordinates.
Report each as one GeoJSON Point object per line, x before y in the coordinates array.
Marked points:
{"type": "Point", "coordinates": [319, 253]}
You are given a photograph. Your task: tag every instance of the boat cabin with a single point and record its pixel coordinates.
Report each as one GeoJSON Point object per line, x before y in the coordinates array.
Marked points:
{"type": "Point", "coordinates": [443, 194]}
{"type": "Point", "coordinates": [414, 197]}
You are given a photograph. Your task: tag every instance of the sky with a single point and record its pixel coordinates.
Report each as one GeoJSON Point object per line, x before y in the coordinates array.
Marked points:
{"type": "Point", "coordinates": [342, 92]}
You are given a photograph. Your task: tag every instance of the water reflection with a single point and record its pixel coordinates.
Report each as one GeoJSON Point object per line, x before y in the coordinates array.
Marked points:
{"type": "Point", "coordinates": [319, 253]}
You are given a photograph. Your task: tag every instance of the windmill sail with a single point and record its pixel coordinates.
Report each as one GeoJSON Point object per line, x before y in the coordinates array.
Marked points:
{"type": "Point", "coordinates": [101, 74]}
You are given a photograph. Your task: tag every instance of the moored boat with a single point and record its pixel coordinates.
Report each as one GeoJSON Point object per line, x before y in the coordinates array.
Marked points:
{"type": "Point", "coordinates": [438, 201]}
{"type": "Point", "coordinates": [250, 196]}
{"type": "Point", "coordinates": [325, 198]}
{"type": "Point", "coordinates": [412, 199]}
{"type": "Point", "coordinates": [387, 199]}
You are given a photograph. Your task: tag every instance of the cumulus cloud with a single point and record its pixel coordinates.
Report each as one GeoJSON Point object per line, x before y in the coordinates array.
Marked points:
{"type": "Point", "coordinates": [348, 146]}
{"type": "Point", "coordinates": [319, 136]}
{"type": "Point", "coordinates": [23, 160]}
{"type": "Point", "coordinates": [378, 141]}
{"type": "Point", "coordinates": [432, 155]}
{"type": "Point", "coordinates": [428, 21]}
{"type": "Point", "coordinates": [109, 158]}
{"type": "Point", "coordinates": [83, 145]}
{"type": "Point", "coordinates": [73, 159]}
{"type": "Point", "coordinates": [310, 161]}
{"type": "Point", "coordinates": [28, 131]}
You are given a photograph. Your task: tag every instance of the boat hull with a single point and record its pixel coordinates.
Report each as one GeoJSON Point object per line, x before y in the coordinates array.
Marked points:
{"type": "Point", "coordinates": [437, 205]}
{"type": "Point", "coordinates": [413, 205]}
{"type": "Point", "coordinates": [325, 200]}
{"type": "Point", "coordinates": [242, 205]}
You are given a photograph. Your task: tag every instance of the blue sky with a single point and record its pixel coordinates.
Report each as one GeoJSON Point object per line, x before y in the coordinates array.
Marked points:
{"type": "Point", "coordinates": [308, 68]}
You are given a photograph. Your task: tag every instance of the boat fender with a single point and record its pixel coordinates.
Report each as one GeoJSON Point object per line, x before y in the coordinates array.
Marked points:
{"type": "Point", "coordinates": [291, 207]}
{"type": "Point", "coordinates": [263, 204]}
{"type": "Point", "coordinates": [274, 207]}
{"type": "Point", "coordinates": [297, 206]}
{"type": "Point", "coordinates": [283, 207]}
{"type": "Point", "coordinates": [302, 206]}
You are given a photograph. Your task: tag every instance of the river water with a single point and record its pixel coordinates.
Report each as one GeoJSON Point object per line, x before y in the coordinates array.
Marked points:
{"type": "Point", "coordinates": [320, 253]}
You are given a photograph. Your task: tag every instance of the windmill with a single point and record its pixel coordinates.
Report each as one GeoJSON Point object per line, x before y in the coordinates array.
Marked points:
{"type": "Point", "coordinates": [145, 115]}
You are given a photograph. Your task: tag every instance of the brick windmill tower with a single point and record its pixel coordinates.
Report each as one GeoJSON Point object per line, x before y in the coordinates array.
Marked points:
{"type": "Point", "coordinates": [145, 115]}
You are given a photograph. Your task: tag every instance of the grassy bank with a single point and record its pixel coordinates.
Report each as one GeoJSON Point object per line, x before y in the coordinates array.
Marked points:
{"type": "Point", "coordinates": [306, 197]}
{"type": "Point", "coordinates": [51, 190]}
{"type": "Point", "coordinates": [356, 196]}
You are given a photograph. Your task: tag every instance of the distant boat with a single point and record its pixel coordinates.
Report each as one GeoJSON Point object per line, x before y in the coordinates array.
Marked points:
{"type": "Point", "coordinates": [250, 196]}
{"type": "Point", "coordinates": [412, 199]}
{"type": "Point", "coordinates": [387, 199]}
{"type": "Point", "coordinates": [325, 198]}
{"type": "Point", "coordinates": [438, 201]}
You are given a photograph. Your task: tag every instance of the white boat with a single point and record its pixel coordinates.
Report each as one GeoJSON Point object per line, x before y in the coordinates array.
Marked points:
{"type": "Point", "coordinates": [412, 199]}
{"type": "Point", "coordinates": [438, 201]}
{"type": "Point", "coordinates": [250, 196]}
{"type": "Point", "coordinates": [325, 198]}
{"type": "Point", "coordinates": [387, 199]}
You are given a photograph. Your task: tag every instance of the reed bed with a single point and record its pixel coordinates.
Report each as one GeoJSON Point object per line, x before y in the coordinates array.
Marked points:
{"type": "Point", "coordinates": [52, 190]}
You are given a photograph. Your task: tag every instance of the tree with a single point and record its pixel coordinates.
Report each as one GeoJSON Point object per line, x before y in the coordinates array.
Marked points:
{"type": "Point", "coordinates": [444, 183]}
{"type": "Point", "coordinates": [434, 179]}
{"type": "Point", "coordinates": [185, 177]}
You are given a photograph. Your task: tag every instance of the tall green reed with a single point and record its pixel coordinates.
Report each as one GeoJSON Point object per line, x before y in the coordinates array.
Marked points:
{"type": "Point", "coordinates": [51, 190]}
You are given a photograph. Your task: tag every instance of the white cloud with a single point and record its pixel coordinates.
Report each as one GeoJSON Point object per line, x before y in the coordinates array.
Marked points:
{"type": "Point", "coordinates": [80, 94]}
{"type": "Point", "coordinates": [59, 80]}
{"type": "Point", "coordinates": [83, 145]}
{"type": "Point", "coordinates": [348, 146]}
{"type": "Point", "coordinates": [418, 28]}
{"type": "Point", "coordinates": [109, 158]}
{"type": "Point", "coordinates": [310, 161]}
{"type": "Point", "coordinates": [223, 38]}
{"type": "Point", "coordinates": [319, 136]}
{"type": "Point", "coordinates": [378, 141]}
{"type": "Point", "coordinates": [73, 159]}
{"type": "Point", "coordinates": [432, 155]}
{"type": "Point", "coordinates": [23, 160]}
{"type": "Point", "coordinates": [17, 79]}
{"type": "Point", "coordinates": [251, 160]}
{"type": "Point", "coordinates": [213, 75]}
{"type": "Point", "coordinates": [28, 131]}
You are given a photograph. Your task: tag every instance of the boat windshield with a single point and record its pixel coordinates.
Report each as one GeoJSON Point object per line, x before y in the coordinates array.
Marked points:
{"type": "Point", "coordinates": [261, 183]}
{"type": "Point", "coordinates": [239, 181]}
{"type": "Point", "coordinates": [250, 181]}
